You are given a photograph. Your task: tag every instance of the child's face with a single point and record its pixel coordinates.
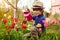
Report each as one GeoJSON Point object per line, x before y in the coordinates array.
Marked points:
{"type": "Point", "coordinates": [37, 12]}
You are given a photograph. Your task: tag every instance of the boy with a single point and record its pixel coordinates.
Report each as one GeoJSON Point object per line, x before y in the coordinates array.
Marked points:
{"type": "Point", "coordinates": [38, 21]}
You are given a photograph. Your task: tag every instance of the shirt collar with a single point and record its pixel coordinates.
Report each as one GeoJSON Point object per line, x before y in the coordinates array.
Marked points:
{"type": "Point", "coordinates": [40, 15]}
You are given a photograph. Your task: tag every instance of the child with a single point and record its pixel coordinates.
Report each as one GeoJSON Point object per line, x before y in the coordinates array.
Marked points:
{"type": "Point", "coordinates": [38, 19]}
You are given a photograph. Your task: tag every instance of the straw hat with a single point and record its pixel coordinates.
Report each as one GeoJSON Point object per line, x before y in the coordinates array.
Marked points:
{"type": "Point", "coordinates": [38, 4]}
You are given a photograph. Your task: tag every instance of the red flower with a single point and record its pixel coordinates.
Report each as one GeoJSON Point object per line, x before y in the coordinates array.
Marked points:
{"type": "Point", "coordinates": [6, 26]}
{"type": "Point", "coordinates": [58, 20]}
{"type": "Point", "coordinates": [52, 21]}
{"type": "Point", "coordinates": [15, 19]}
{"type": "Point", "coordinates": [8, 31]}
{"type": "Point", "coordinates": [45, 24]}
{"type": "Point", "coordinates": [21, 23]}
{"type": "Point", "coordinates": [4, 21]}
{"type": "Point", "coordinates": [13, 25]}
{"type": "Point", "coordinates": [17, 29]}
{"type": "Point", "coordinates": [11, 17]}
{"type": "Point", "coordinates": [24, 27]}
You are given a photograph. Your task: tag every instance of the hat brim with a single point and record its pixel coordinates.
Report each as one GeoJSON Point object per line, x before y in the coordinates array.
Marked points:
{"type": "Point", "coordinates": [35, 6]}
{"type": "Point", "coordinates": [39, 7]}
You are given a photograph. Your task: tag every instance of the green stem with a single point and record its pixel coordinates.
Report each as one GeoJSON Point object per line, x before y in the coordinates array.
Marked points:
{"type": "Point", "coordinates": [9, 36]}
